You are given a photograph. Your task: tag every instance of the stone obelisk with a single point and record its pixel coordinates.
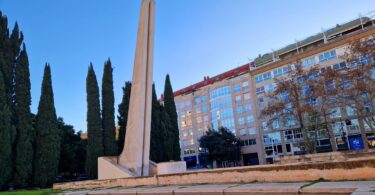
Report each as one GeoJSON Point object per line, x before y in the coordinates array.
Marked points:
{"type": "Point", "coordinates": [135, 156]}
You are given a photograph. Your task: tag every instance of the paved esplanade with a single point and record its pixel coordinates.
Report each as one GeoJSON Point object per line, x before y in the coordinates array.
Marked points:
{"type": "Point", "coordinates": [345, 187]}
{"type": "Point", "coordinates": [135, 155]}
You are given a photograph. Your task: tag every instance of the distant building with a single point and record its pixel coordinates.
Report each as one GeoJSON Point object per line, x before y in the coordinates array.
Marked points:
{"type": "Point", "coordinates": [234, 99]}
{"type": "Point", "coordinates": [84, 136]}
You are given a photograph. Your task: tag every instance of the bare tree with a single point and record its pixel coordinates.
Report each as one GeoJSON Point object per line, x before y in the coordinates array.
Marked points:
{"type": "Point", "coordinates": [290, 101]}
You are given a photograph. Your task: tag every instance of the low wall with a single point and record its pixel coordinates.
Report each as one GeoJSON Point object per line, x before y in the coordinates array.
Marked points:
{"type": "Point", "coordinates": [324, 157]}
{"type": "Point", "coordinates": [362, 169]}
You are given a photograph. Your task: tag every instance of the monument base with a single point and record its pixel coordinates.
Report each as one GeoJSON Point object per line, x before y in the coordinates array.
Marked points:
{"type": "Point", "coordinates": [351, 169]}
{"type": "Point", "coordinates": [165, 168]}
{"type": "Point", "coordinates": [109, 168]}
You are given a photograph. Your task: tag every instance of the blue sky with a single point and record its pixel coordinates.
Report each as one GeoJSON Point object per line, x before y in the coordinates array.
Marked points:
{"type": "Point", "coordinates": [193, 38]}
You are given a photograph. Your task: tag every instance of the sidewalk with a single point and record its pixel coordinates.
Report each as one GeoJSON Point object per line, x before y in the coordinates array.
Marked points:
{"type": "Point", "coordinates": [310, 188]}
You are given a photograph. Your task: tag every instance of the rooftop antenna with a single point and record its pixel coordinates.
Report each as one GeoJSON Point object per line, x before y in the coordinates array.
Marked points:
{"type": "Point", "coordinates": [273, 55]}
{"type": "Point", "coordinates": [360, 19]}
{"type": "Point", "coordinates": [251, 63]}
{"type": "Point", "coordinates": [297, 45]}
{"type": "Point", "coordinates": [371, 15]}
{"type": "Point", "coordinates": [324, 35]}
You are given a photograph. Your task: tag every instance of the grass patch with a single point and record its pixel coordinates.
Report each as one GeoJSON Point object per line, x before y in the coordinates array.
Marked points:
{"type": "Point", "coordinates": [31, 192]}
{"type": "Point", "coordinates": [312, 183]}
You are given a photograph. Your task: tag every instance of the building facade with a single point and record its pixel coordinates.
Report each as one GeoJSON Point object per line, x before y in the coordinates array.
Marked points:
{"type": "Point", "coordinates": [235, 99]}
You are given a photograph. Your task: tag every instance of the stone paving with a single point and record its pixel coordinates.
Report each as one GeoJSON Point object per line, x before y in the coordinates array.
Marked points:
{"type": "Point", "coordinates": [312, 188]}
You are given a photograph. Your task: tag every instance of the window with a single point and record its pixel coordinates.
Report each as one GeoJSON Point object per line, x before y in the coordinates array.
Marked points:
{"type": "Point", "coordinates": [204, 98]}
{"type": "Point", "coordinates": [284, 95]}
{"type": "Point", "coordinates": [205, 118]}
{"type": "Point", "coordinates": [204, 108]}
{"type": "Point", "coordinates": [237, 88]}
{"type": "Point", "coordinates": [327, 56]}
{"type": "Point", "coordinates": [311, 101]}
{"type": "Point", "coordinates": [239, 109]}
{"type": "Point", "coordinates": [308, 62]}
{"type": "Point", "coordinates": [245, 85]}
{"type": "Point", "coordinates": [187, 103]}
{"type": "Point", "coordinates": [197, 100]}
{"type": "Point", "coordinates": [184, 133]}
{"type": "Point", "coordinates": [264, 126]}
{"type": "Point", "coordinates": [290, 122]}
{"type": "Point", "coordinates": [199, 119]}
{"type": "Point", "coordinates": [250, 118]}
{"type": "Point", "coordinates": [272, 138]}
{"type": "Point", "coordinates": [246, 96]}
{"type": "Point", "coordinates": [241, 121]}
{"type": "Point", "coordinates": [263, 77]}
{"type": "Point", "coordinates": [260, 90]}
{"type": "Point", "coordinates": [269, 87]}
{"type": "Point", "coordinates": [329, 85]}
{"type": "Point", "coordinates": [198, 109]}
{"type": "Point", "coordinates": [350, 111]}
{"type": "Point", "coordinates": [223, 91]}
{"type": "Point", "coordinates": [191, 142]}
{"type": "Point", "coordinates": [184, 143]}
{"type": "Point", "coordinates": [183, 123]}
{"type": "Point", "coordinates": [248, 142]}
{"type": "Point", "coordinates": [325, 69]}
{"type": "Point", "coordinates": [243, 132]}
{"type": "Point", "coordinates": [307, 90]}
{"type": "Point", "coordinates": [346, 83]}
{"type": "Point", "coordinates": [252, 131]}
{"type": "Point", "coordinates": [353, 126]}
{"type": "Point", "coordinates": [247, 107]}
{"type": "Point", "coordinates": [293, 135]}
{"type": "Point", "coordinates": [335, 112]}
{"type": "Point", "coordinates": [339, 66]}
{"type": "Point", "coordinates": [189, 151]}
{"type": "Point", "coordinates": [286, 69]}
{"type": "Point", "coordinates": [260, 101]}
{"type": "Point", "coordinates": [275, 124]}
{"type": "Point", "coordinates": [278, 72]}
{"type": "Point", "coordinates": [238, 98]}
{"type": "Point", "coordinates": [182, 105]}
{"type": "Point", "coordinates": [182, 114]}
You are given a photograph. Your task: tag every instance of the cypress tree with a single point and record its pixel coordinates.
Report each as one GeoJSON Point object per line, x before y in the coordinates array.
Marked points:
{"type": "Point", "coordinates": [47, 142]}
{"type": "Point", "coordinates": [94, 130]}
{"type": "Point", "coordinates": [9, 51]}
{"type": "Point", "coordinates": [173, 151]}
{"type": "Point", "coordinates": [108, 111]}
{"type": "Point", "coordinates": [25, 134]}
{"type": "Point", "coordinates": [5, 137]}
{"type": "Point", "coordinates": [156, 143]}
{"type": "Point", "coordinates": [122, 118]}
